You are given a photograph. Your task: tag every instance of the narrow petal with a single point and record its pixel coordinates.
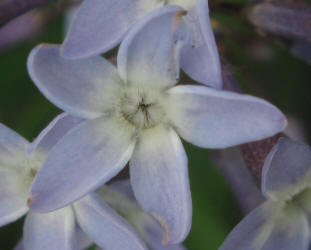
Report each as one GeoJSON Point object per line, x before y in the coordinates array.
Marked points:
{"type": "Point", "coordinates": [88, 156]}
{"type": "Point", "coordinates": [101, 24]}
{"type": "Point", "coordinates": [159, 177]}
{"type": "Point", "coordinates": [50, 231]}
{"type": "Point", "coordinates": [287, 169]}
{"type": "Point", "coordinates": [149, 54]}
{"type": "Point", "coordinates": [104, 226]}
{"type": "Point", "coordinates": [60, 125]}
{"type": "Point", "coordinates": [200, 59]}
{"type": "Point", "coordinates": [80, 87]}
{"type": "Point", "coordinates": [211, 118]}
{"type": "Point", "coordinates": [14, 181]}
{"type": "Point", "coordinates": [252, 232]}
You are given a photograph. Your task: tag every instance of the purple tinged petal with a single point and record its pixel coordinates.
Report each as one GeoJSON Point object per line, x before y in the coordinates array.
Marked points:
{"type": "Point", "coordinates": [200, 59]}
{"type": "Point", "coordinates": [252, 232]}
{"type": "Point", "coordinates": [49, 136]}
{"type": "Point", "coordinates": [291, 231]}
{"type": "Point", "coordinates": [87, 156]}
{"type": "Point", "coordinates": [159, 177]}
{"type": "Point", "coordinates": [119, 195]}
{"type": "Point", "coordinates": [13, 194]}
{"type": "Point", "coordinates": [149, 54]}
{"type": "Point", "coordinates": [80, 87]}
{"type": "Point", "coordinates": [104, 226]}
{"type": "Point", "coordinates": [287, 169]}
{"type": "Point", "coordinates": [50, 231]}
{"type": "Point", "coordinates": [101, 24]}
{"type": "Point", "coordinates": [211, 118]}
{"type": "Point", "coordinates": [10, 139]}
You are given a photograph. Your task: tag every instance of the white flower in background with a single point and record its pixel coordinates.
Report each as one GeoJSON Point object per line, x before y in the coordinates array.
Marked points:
{"type": "Point", "coordinates": [135, 114]}
{"type": "Point", "coordinates": [101, 24]}
{"type": "Point", "coordinates": [283, 221]}
{"type": "Point", "coordinates": [61, 229]}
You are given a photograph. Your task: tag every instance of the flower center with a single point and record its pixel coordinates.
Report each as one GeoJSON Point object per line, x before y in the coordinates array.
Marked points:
{"type": "Point", "coordinates": [141, 107]}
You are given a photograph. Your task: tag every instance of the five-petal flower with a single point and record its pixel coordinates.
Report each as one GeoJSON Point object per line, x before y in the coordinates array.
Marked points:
{"type": "Point", "coordinates": [101, 24]}
{"type": "Point", "coordinates": [134, 113]}
{"type": "Point", "coordinates": [283, 221]}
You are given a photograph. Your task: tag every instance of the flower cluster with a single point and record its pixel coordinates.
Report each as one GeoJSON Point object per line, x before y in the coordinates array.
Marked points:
{"type": "Point", "coordinates": [283, 221]}
{"type": "Point", "coordinates": [136, 112]}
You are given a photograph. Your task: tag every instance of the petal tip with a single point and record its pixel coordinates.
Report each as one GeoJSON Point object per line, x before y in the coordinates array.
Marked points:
{"type": "Point", "coordinates": [166, 237]}
{"type": "Point", "coordinates": [31, 200]}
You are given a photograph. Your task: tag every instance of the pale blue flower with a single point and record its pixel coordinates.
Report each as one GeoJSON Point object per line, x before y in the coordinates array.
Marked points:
{"type": "Point", "coordinates": [283, 221]}
{"type": "Point", "coordinates": [101, 24]}
{"type": "Point", "coordinates": [135, 114]}
{"type": "Point", "coordinates": [60, 229]}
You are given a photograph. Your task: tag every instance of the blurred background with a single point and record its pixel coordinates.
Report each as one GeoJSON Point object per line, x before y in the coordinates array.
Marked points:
{"type": "Point", "coordinates": [267, 47]}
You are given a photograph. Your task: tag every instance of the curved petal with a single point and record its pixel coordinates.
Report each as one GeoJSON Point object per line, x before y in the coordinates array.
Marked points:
{"type": "Point", "coordinates": [211, 118]}
{"type": "Point", "coordinates": [159, 177]}
{"type": "Point", "coordinates": [80, 87]}
{"type": "Point", "coordinates": [12, 148]}
{"type": "Point", "coordinates": [149, 54]}
{"type": "Point", "coordinates": [14, 181]}
{"type": "Point", "coordinates": [88, 156]}
{"type": "Point", "coordinates": [199, 58]}
{"type": "Point", "coordinates": [14, 185]}
{"type": "Point", "coordinates": [10, 139]}
{"type": "Point", "coordinates": [252, 232]}
{"type": "Point", "coordinates": [287, 169]}
{"type": "Point", "coordinates": [50, 231]}
{"type": "Point", "coordinates": [291, 231]}
{"type": "Point", "coordinates": [49, 136]}
{"type": "Point", "coordinates": [101, 24]}
{"type": "Point", "coordinates": [104, 226]}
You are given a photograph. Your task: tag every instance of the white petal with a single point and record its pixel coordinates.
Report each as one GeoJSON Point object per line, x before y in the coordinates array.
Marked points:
{"type": "Point", "coordinates": [49, 136]}
{"type": "Point", "coordinates": [50, 231]}
{"type": "Point", "coordinates": [80, 87]}
{"type": "Point", "coordinates": [217, 119]}
{"type": "Point", "coordinates": [159, 177]}
{"type": "Point", "coordinates": [104, 226]}
{"type": "Point", "coordinates": [291, 231]}
{"type": "Point", "coordinates": [14, 179]}
{"type": "Point", "coordinates": [101, 24]}
{"type": "Point", "coordinates": [253, 231]}
{"type": "Point", "coordinates": [200, 59]}
{"type": "Point", "coordinates": [149, 54]}
{"type": "Point", "coordinates": [85, 158]}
